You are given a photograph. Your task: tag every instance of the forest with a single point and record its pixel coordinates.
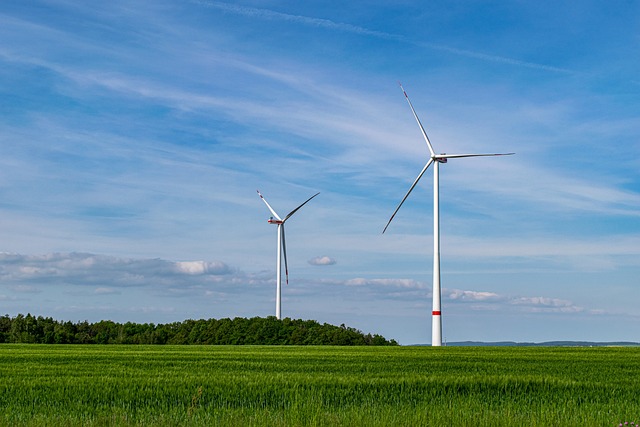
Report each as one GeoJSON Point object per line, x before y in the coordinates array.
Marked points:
{"type": "Point", "coordinates": [237, 331]}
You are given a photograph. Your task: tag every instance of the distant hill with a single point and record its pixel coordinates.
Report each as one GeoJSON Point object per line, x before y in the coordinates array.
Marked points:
{"type": "Point", "coordinates": [543, 344]}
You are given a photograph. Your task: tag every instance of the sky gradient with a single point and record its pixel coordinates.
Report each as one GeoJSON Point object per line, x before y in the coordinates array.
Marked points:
{"type": "Point", "coordinates": [134, 135]}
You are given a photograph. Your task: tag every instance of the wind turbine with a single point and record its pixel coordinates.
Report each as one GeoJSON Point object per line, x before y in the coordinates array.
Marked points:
{"type": "Point", "coordinates": [282, 248]}
{"type": "Point", "coordinates": [436, 159]}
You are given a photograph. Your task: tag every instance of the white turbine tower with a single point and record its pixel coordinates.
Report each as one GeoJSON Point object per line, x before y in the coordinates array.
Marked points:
{"type": "Point", "coordinates": [282, 248]}
{"type": "Point", "coordinates": [436, 159]}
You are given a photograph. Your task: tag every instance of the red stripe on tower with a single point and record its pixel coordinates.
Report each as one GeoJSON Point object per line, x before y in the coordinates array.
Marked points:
{"type": "Point", "coordinates": [436, 313]}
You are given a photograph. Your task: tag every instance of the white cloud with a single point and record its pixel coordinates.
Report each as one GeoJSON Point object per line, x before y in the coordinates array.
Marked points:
{"type": "Point", "coordinates": [457, 294]}
{"type": "Point", "coordinates": [90, 269]}
{"type": "Point", "coordinates": [525, 304]}
{"type": "Point", "coordinates": [547, 305]}
{"type": "Point", "coordinates": [395, 283]}
{"type": "Point", "coordinates": [108, 275]}
{"type": "Point", "coordinates": [202, 267]}
{"type": "Point", "coordinates": [322, 260]}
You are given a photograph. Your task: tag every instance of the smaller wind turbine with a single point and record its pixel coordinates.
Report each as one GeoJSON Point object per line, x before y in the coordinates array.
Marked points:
{"type": "Point", "coordinates": [436, 159]}
{"type": "Point", "coordinates": [282, 248]}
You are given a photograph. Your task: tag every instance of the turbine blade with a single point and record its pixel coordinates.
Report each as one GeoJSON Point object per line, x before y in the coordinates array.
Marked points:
{"type": "Point", "coordinates": [284, 253]}
{"type": "Point", "coordinates": [408, 192]}
{"type": "Point", "coordinates": [457, 156]}
{"type": "Point", "coordinates": [269, 206]}
{"type": "Point", "coordinates": [294, 211]}
{"type": "Point", "coordinates": [424, 133]}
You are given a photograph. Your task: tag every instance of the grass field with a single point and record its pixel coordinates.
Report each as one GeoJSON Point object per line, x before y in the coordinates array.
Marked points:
{"type": "Point", "coordinates": [317, 386]}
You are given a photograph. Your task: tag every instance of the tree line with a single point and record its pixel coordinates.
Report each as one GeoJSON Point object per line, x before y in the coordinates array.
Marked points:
{"type": "Point", "coordinates": [237, 331]}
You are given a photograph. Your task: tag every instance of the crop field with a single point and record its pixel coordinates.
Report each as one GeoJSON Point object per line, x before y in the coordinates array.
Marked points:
{"type": "Point", "coordinates": [93, 385]}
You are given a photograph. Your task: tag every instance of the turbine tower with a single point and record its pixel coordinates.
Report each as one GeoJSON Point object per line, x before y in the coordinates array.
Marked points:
{"type": "Point", "coordinates": [282, 249]}
{"type": "Point", "coordinates": [436, 159]}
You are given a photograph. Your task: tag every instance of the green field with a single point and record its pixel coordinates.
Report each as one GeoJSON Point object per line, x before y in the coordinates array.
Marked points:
{"type": "Point", "coordinates": [323, 386]}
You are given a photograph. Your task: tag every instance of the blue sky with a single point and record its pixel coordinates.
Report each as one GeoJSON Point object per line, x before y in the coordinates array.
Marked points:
{"type": "Point", "coordinates": [134, 135]}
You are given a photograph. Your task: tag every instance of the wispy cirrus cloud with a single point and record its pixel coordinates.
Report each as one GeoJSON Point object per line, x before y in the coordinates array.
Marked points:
{"type": "Point", "coordinates": [258, 13]}
{"type": "Point", "coordinates": [26, 289]}
{"type": "Point", "coordinates": [106, 291]}
{"type": "Point", "coordinates": [306, 20]}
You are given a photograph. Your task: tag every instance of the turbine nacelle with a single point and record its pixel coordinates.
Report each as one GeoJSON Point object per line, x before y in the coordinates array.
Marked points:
{"type": "Point", "coordinates": [272, 220]}
{"type": "Point", "coordinates": [440, 159]}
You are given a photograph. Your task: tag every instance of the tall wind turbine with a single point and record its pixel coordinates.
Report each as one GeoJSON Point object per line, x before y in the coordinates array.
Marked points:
{"type": "Point", "coordinates": [282, 248]}
{"type": "Point", "coordinates": [436, 159]}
